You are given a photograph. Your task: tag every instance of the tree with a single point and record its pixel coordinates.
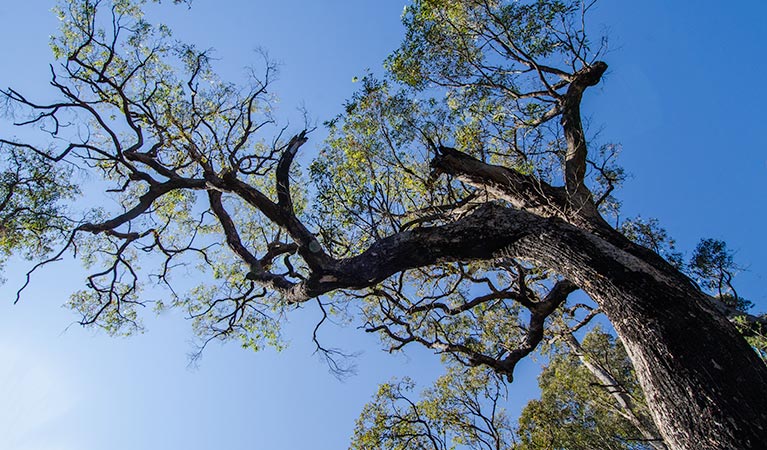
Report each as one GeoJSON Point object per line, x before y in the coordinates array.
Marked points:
{"type": "Point", "coordinates": [457, 202]}
{"type": "Point", "coordinates": [462, 408]}
{"type": "Point", "coordinates": [589, 399]}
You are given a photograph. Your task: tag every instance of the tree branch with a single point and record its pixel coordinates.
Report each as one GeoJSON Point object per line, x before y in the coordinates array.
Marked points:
{"type": "Point", "coordinates": [145, 201]}
{"type": "Point", "coordinates": [539, 312]}
{"type": "Point", "coordinates": [257, 272]}
{"type": "Point", "coordinates": [575, 158]}
{"type": "Point", "coordinates": [283, 171]}
{"type": "Point", "coordinates": [523, 191]}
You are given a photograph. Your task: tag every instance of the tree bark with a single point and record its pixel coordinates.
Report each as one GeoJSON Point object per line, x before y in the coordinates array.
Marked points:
{"type": "Point", "coordinates": [705, 387]}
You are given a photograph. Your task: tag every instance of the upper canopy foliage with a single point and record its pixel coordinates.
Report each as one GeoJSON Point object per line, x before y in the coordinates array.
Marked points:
{"type": "Point", "coordinates": [184, 155]}
{"type": "Point", "coordinates": [149, 115]}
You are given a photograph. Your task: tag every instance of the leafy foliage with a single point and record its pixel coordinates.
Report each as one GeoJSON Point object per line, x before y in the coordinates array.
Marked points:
{"type": "Point", "coordinates": [461, 410]}
{"type": "Point", "coordinates": [712, 266]}
{"type": "Point", "coordinates": [153, 118]}
{"type": "Point", "coordinates": [32, 195]}
{"type": "Point", "coordinates": [575, 411]}
{"type": "Point", "coordinates": [464, 408]}
{"type": "Point", "coordinates": [648, 233]}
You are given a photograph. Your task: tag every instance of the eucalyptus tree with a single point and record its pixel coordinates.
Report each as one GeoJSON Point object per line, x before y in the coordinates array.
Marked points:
{"type": "Point", "coordinates": [464, 408]}
{"type": "Point", "coordinates": [458, 203]}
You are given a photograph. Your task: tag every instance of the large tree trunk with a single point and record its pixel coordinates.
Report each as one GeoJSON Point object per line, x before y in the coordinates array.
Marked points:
{"type": "Point", "coordinates": [706, 388]}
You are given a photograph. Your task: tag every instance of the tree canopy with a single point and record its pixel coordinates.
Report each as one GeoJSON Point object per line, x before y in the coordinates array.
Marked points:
{"type": "Point", "coordinates": [457, 204]}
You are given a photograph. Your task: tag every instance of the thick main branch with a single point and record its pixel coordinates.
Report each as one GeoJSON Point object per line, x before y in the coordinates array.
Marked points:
{"type": "Point", "coordinates": [575, 157]}
{"type": "Point", "coordinates": [523, 191]}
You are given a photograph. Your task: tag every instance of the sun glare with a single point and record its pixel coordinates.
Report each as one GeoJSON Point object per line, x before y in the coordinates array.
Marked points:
{"type": "Point", "coordinates": [36, 400]}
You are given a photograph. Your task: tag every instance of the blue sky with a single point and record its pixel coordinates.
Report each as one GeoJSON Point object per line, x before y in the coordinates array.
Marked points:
{"type": "Point", "coordinates": [682, 95]}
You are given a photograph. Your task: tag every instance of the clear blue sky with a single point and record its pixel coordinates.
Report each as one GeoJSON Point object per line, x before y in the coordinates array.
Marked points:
{"type": "Point", "coordinates": [683, 95]}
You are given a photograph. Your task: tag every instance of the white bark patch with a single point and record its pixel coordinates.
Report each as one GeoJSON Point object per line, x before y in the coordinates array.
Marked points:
{"type": "Point", "coordinates": [628, 260]}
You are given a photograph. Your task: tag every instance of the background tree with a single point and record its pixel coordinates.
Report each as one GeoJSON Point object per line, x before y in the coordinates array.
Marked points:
{"type": "Point", "coordinates": [464, 407]}
{"type": "Point", "coordinates": [590, 398]}
{"type": "Point", "coordinates": [467, 252]}
{"type": "Point", "coordinates": [713, 267]}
